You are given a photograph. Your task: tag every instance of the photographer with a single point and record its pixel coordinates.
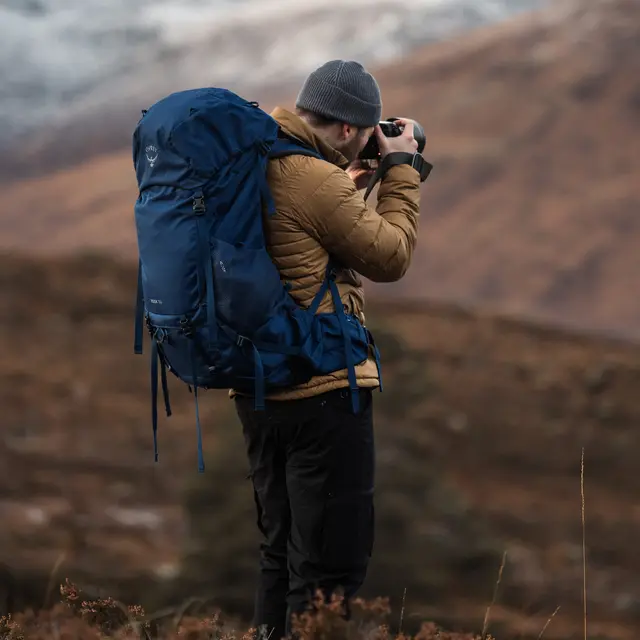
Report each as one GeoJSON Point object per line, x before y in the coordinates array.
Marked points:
{"type": "Point", "coordinates": [311, 457]}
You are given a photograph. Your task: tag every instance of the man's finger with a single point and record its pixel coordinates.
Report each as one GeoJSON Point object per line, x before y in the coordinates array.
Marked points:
{"type": "Point", "coordinates": [408, 128]}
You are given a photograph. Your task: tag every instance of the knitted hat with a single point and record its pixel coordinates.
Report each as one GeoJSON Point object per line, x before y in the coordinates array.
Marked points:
{"type": "Point", "coordinates": [344, 91]}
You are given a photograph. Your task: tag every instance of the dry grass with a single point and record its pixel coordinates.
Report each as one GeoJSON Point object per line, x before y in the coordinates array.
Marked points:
{"type": "Point", "coordinates": [551, 617]}
{"type": "Point", "coordinates": [584, 546]}
{"type": "Point", "coordinates": [77, 618]}
{"type": "Point", "coordinates": [487, 617]}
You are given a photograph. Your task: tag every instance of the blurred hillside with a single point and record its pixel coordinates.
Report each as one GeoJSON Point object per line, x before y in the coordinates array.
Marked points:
{"type": "Point", "coordinates": [480, 429]}
{"type": "Point", "coordinates": [533, 204]}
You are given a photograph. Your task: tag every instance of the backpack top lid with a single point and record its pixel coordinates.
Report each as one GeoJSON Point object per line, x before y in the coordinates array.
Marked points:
{"type": "Point", "coordinates": [202, 129]}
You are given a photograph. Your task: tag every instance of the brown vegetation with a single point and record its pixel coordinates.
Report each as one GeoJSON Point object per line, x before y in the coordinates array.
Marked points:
{"type": "Point", "coordinates": [79, 618]}
{"type": "Point", "coordinates": [480, 429]}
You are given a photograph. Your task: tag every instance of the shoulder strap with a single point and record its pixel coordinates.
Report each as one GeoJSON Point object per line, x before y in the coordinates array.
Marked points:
{"type": "Point", "coordinates": [285, 145]}
{"type": "Point", "coordinates": [288, 145]}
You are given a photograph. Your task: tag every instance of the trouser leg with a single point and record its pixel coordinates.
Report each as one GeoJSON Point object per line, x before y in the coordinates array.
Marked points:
{"type": "Point", "coordinates": [267, 467]}
{"type": "Point", "coordinates": [330, 483]}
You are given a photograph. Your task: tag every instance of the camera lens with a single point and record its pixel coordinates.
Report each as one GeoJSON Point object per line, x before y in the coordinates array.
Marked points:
{"type": "Point", "coordinates": [390, 129]}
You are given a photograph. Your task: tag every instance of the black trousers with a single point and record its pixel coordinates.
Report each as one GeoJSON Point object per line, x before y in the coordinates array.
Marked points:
{"type": "Point", "coordinates": [312, 465]}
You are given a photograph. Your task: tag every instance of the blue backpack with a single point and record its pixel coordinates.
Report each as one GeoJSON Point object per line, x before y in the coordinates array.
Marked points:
{"type": "Point", "coordinates": [213, 302]}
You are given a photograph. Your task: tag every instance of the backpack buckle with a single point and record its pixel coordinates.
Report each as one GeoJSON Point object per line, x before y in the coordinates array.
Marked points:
{"type": "Point", "coordinates": [264, 148]}
{"type": "Point", "coordinates": [186, 328]}
{"type": "Point", "coordinates": [198, 205]}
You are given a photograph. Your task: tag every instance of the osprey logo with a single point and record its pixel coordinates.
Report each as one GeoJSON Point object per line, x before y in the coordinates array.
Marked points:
{"type": "Point", "coordinates": [152, 154]}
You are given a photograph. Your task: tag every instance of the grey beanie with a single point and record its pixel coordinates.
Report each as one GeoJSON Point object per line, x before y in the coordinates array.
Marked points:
{"type": "Point", "coordinates": [342, 90]}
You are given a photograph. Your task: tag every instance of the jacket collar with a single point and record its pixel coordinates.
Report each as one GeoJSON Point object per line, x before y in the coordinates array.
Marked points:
{"type": "Point", "coordinates": [294, 125]}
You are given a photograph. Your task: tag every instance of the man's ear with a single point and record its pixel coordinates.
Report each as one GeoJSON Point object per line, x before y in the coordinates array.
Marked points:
{"type": "Point", "coordinates": [345, 131]}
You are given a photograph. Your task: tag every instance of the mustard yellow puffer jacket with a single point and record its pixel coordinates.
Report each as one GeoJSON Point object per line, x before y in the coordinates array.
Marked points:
{"type": "Point", "coordinates": [319, 212]}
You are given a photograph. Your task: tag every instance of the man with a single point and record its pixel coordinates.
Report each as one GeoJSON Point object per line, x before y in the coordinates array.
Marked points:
{"type": "Point", "coordinates": [311, 457]}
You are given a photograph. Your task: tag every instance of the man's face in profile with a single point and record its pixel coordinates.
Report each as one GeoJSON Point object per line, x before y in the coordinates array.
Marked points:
{"type": "Point", "coordinates": [352, 140]}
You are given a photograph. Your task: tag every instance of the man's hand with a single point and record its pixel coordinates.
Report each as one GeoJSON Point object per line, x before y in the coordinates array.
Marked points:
{"type": "Point", "coordinates": [405, 142]}
{"type": "Point", "coordinates": [359, 174]}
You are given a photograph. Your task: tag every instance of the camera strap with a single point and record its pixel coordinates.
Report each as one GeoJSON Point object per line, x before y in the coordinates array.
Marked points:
{"type": "Point", "coordinates": [414, 160]}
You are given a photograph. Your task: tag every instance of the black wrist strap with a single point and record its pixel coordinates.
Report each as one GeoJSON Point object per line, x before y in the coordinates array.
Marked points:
{"type": "Point", "coordinates": [414, 160]}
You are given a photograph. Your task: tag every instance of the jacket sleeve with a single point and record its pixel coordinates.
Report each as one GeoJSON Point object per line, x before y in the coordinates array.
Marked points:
{"type": "Point", "coordinates": [377, 243]}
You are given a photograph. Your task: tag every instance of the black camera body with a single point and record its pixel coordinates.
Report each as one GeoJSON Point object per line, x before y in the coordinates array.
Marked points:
{"type": "Point", "coordinates": [390, 129]}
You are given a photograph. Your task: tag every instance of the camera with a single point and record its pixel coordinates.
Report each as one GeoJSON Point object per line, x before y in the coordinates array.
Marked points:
{"type": "Point", "coordinates": [390, 129]}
